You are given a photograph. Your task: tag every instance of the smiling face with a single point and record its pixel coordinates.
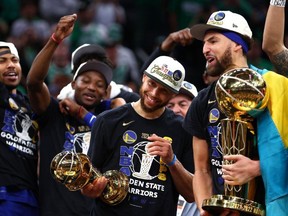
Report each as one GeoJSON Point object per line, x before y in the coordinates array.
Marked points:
{"type": "Point", "coordinates": [153, 95]}
{"type": "Point", "coordinates": [217, 50]}
{"type": "Point", "coordinates": [90, 88]}
{"type": "Point", "coordinates": [10, 70]}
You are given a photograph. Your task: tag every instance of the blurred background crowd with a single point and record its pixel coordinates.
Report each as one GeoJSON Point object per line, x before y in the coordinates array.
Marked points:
{"type": "Point", "coordinates": [129, 30]}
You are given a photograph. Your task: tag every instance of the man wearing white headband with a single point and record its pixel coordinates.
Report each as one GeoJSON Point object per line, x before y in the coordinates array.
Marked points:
{"type": "Point", "coordinates": [18, 141]}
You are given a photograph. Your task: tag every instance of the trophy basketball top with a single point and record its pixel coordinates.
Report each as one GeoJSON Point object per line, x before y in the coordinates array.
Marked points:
{"type": "Point", "coordinates": [239, 91]}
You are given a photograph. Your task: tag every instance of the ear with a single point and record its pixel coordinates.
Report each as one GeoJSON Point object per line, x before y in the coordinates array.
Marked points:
{"type": "Point", "coordinates": [73, 83]}
{"type": "Point", "coordinates": [237, 47]}
{"type": "Point", "coordinates": [143, 77]}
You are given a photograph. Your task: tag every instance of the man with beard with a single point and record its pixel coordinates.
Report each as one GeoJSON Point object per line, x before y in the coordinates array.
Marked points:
{"type": "Point", "coordinates": [145, 141]}
{"type": "Point", "coordinates": [227, 38]}
{"type": "Point", "coordinates": [18, 141]}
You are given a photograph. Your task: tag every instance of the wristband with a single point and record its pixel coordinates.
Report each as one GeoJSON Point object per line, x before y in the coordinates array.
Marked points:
{"type": "Point", "coordinates": [54, 39]}
{"type": "Point", "coordinates": [173, 161]}
{"type": "Point", "coordinates": [278, 3]}
{"type": "Point", "coordinates": [89, 119]}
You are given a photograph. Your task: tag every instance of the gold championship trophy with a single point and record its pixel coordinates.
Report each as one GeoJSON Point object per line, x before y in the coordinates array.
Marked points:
{"type": "Point", "coordinates": [238, 91]}
{"type": "Point", "coordinates": [75, 170]}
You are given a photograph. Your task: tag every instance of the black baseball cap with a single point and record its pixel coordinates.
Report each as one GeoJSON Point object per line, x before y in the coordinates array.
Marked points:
{"type": "Point", "coordinates": [96, 66]}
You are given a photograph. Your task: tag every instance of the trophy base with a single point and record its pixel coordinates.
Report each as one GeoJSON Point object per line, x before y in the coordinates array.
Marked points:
{"type": "Point", "coordinates": [220, 203]}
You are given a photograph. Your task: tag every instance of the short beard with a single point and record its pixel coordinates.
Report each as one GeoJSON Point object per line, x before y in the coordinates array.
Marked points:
{"type": "Point", "coordinates": [221, 64]}
{"type": "Point", "coordinates": [144, 107]}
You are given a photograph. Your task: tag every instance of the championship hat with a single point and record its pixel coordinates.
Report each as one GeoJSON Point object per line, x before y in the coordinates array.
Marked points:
{"type": "Point", "coordinates": [96, 66]}
{"type": "Point", "coordinates": [224, 21]}
{"type": "Point", "coordinates": [166, 71]}
{"type": "Point", "coordinates": [86, 51]}
{"type": "Point", "coordinates": [188, 89]}
{"type": "Point", "coordinates": [11, 47]}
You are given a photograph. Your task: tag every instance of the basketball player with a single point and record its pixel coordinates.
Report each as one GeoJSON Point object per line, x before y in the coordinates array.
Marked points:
{"type": "Point", "coordinates": [227, 37]}
{"type": "Point", "coordinates": [145, 141]}
{"type": "Point", "coordinates": [90, 83]}
{"type": "Point", "coordinates": [18, 141]}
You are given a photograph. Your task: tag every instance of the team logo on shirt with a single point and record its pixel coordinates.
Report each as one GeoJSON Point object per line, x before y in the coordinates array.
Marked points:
{"type": "Point", "coordinates": [129, 137]}
{"type": "Point", "coordinates": [214, 115]}
{"type": "Point", "coordinates": [20, 133]}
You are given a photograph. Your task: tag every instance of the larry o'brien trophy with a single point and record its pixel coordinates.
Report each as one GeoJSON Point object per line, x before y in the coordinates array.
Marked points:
{"type": "Point", "coordinates": [238, 92]}
{"type": "Point", "coordinates": [75, 170]}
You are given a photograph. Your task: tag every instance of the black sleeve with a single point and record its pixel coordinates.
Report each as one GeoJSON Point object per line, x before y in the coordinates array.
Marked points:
{"type": "Point", "coordinates": [4, 96]}
{"type": "Point", "coordinates": [194, 122]}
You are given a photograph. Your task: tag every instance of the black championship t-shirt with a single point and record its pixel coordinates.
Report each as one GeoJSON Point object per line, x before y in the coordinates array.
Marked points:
{"type": "Point", "coordinates": [18, 142]}
{"type": "Point", "coordinates": [118, 142]}
{"type": "Point", "coordinates": [55, 128]}
{"type": "Point", "coordinates": [203, 121]}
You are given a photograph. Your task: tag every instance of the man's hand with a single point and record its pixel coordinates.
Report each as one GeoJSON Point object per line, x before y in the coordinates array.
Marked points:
{"type": "Point", "coordinates": [96, 188]}
{"type": "Point", "coordinates": [68, 106]}
{"type": "Point", "coordinates": [65, 27]}
{"type": "Point", "coordinates": [241, 171]}
{"type": "Point", "coordinates": [161, 147]}
{"type": "Point", "coordinates": [182, 37]}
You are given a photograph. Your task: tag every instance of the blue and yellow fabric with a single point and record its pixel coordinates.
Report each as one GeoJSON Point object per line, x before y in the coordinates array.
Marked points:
{"type": "Point", "coordinates": [272, 140]}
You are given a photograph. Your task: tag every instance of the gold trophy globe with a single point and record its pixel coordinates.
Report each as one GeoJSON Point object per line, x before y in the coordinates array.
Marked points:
{"type": "Point", "coordinates": [238, 92]}
{"type": "Point", "coordinates": [75, 170]}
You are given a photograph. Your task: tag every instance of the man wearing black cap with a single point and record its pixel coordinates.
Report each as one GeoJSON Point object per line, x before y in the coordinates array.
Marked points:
{"type": "Point", "coordinates": [90, 82]}
{"type": "Point", "coordinates": [94, 51]}
{"type": "Point", "coordinates": [227, 38]}
{"type": "Point", "coordinates": [18, 141]}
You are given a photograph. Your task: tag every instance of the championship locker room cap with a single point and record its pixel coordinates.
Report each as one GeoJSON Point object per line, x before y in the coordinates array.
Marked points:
{"type": "Point", "coordinates": [188, 89]}
{"type": "Point", "coordinates": [11, 47]}
{"type": "Point", "coordinates": [167, 71]}
{"type": "Point", "coordinates": [85, 51]}
{"type": "Point", "coordinates": [96, 66]}
{"type": "Point", "coordinates": [225, 21]}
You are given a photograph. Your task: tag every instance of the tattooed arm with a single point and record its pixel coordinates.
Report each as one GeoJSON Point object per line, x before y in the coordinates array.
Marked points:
{"type": "Point", "coordinates": [273, 37]}
{"type": "Point", "coordinates": [280, 61]}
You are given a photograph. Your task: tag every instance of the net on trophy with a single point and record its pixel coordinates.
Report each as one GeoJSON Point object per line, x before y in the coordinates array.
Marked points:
{"type": "Point", "coordinates": [238, 92]}
{"type": "Point", "coordinates": [75, 170]}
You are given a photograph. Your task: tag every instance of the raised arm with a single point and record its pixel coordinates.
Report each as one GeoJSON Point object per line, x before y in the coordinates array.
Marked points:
{"type": "Point", "coordinates": [37, 90]}
{"type": "Point", "coordinates": [273, 37]}
{"type": "Point", "coordinates": [182, 37]}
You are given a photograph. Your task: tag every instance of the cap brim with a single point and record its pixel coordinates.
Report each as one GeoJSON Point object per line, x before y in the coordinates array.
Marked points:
{"type": "Point", "coordinates": [198, 31]}
{"type": "Point", "coordinates": [96, 66]}
{"type": "Point", "coordinates": [11, 47]}
{"type": "Point", "coordinates": [186, 92]}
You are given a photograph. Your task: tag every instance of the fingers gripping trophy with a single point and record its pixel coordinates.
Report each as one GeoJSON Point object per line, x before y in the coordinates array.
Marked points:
{"type": "Point", "coordinates": [238, 92]}
{"type": "Point", "coordinates": [75, 170]}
